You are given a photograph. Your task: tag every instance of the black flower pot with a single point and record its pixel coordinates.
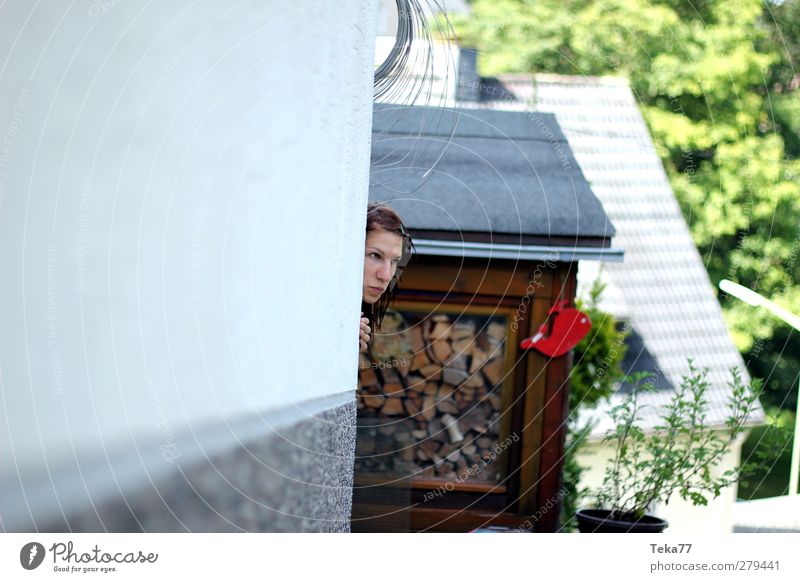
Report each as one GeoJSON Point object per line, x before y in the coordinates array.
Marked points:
{"type": "Point", "coordinates": [598, 521]}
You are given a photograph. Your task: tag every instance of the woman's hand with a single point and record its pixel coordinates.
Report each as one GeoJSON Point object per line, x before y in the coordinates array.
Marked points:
{"type": "Point", "coordinates": [364, 340]}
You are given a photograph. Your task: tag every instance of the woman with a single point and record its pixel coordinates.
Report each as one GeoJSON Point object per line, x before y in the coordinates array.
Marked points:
{"type": "Point", "coordinates": [387, 250]}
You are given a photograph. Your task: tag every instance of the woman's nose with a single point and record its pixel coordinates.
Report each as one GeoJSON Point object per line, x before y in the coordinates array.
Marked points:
{"type": "Point", "coordinates": [385, 271]}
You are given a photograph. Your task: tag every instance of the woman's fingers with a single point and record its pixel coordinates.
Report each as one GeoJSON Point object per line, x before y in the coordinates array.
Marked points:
{"type": "Point", "coordinates": [365, 331]}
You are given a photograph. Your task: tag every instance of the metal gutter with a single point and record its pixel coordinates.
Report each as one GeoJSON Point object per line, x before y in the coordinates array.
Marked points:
{"type": "Point", "coordinates": [565, 254]}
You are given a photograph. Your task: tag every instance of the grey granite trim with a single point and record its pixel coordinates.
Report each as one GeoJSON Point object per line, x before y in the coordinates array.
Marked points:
{"type": "Point", "coordinates": [264, 475]}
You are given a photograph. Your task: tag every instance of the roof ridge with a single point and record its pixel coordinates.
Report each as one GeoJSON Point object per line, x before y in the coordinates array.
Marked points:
{"type": "Point", "coordinates": [607, 80]}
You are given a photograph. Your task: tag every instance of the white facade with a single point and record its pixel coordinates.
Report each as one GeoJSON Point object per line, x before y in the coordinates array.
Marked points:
{"type": "Point", "coordinates": [182, 201]}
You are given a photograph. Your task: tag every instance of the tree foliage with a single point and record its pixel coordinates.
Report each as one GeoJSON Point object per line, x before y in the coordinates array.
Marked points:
{"type": "Point", "coordinates": [705, 75]}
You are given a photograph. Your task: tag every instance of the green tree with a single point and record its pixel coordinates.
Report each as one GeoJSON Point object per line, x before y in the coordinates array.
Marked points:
{"type": "Point", "coordinates": [780, 21]}
{"type": "Point", "coordinates": [701, 71]}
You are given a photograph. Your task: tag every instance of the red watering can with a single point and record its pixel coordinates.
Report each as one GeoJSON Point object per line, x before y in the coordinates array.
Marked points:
{"type": "Point", "coordinates": [569, 327]}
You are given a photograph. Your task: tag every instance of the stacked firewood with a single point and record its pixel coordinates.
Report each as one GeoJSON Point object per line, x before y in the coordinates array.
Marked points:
{"type": "Point", "coordinates": [431, 395]}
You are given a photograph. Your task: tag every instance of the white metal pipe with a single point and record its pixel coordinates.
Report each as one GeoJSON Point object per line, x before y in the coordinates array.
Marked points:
{"type": "Point", "coordinates": [753, 298]}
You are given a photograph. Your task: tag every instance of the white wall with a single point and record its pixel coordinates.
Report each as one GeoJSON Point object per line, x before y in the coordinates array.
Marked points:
{"type": "Point", "coordinates": [683, 517]}
{"type": "Point", "coordinates": [182, 199]}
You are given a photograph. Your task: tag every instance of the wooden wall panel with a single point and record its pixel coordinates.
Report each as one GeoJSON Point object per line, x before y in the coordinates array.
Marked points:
{"type": "Point", "coordinates": [476, 276]}
{"type": "Point", "coordinates": [555, 412]}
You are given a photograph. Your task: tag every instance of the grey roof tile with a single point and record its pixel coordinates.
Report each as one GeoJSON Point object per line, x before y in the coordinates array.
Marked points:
{"type": "Point", "coordinates": [662, 288]}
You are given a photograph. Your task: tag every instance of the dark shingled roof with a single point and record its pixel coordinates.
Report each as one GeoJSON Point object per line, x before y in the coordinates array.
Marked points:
{"type": "Point", "coordinates": [482, 171]}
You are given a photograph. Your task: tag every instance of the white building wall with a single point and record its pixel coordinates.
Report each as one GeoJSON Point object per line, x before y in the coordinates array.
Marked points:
{"type": "Point", "coordinates": [182, 199]}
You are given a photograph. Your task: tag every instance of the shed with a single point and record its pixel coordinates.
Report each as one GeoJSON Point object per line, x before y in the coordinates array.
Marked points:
{"type": "Point", "coordinates": [459, 428]}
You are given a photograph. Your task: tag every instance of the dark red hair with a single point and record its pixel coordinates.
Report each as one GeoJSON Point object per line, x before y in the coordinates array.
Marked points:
{"type": "Point", "coordinates": [381, 217]}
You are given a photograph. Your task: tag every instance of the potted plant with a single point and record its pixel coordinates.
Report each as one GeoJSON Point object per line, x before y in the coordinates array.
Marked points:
{"type": "Point", "coordinates": [678, 456]}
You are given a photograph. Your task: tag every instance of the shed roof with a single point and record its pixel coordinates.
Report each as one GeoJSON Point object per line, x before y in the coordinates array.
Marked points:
{"type": "Point", "coordinates": [464, 173]}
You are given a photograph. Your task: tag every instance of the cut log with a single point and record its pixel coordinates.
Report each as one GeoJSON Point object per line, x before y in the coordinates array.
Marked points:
{"type": "Point", "coordinates": [494, 371]}
{"type": "Point", "coordinates": [412, 407]}
{"type": "Point", "coordinates": [431, 372]}
{"type": "Point", "coordinates": [390, 375]}
{"type": "Point", "coordinates": [463, 347]}
{"type": "Point", "coordinates": [403, 365]}
{"type": "Point", "coordinates": [479, 358]}
{"type": "Point", "coordinates": [420, 359]}
{"type": "Point", "coordinates": [373, 400]}
{"type": "Point", "coordinates": [415, 335]}
{"type": "Point", "coordinates": [392, 407]}
{"type": "Point", "coordinates": [457, 362]}
{"type": "Point", "coordinates": [430, 447]}
{"type": "Point", "coordinates": [440, 331]}
{"type": "Point", "coordinates": [441, 350]}
{"type": "Point", "coordinates": [474, 420]}
{"type": "Point", "coordinates": [447, 406]}
{"type": "Point", "coordinates": [393, 389]}
{"type": "Point", "coordinates": [431, 389]}
{"type": "Point", "coordinates": [484, 443]}
{"type": "Point", "coordinates": [493, 348]}
{"type": "Point", "coordinates": [367, 377]}
{"type": "Point", "coordinates": [497, 331]}
{"type": "Point", "coordinates": [454, 376]}
{"type": "Point", "coordinates": [415, 383]}
{"type": "Point", "coordinates": [462, 330]}
{"type": "Point", "coordinates": [435, 427]}
{"type": "Point", "coordinates": [475, 380]}
{"type": "Point", "coordinates": [445, 391]}
{"type": "Point", "coordinates": [441, 436]}
{"type": "Point", "coordinates": [428, 408]}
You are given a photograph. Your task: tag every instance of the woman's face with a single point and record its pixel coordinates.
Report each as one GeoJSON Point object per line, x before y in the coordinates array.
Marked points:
{"type": "Point", "coordinates": [384, 250]}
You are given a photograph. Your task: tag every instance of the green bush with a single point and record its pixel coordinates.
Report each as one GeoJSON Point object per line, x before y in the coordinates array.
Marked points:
{"type": "Point", "coordinates": [596, 371]}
